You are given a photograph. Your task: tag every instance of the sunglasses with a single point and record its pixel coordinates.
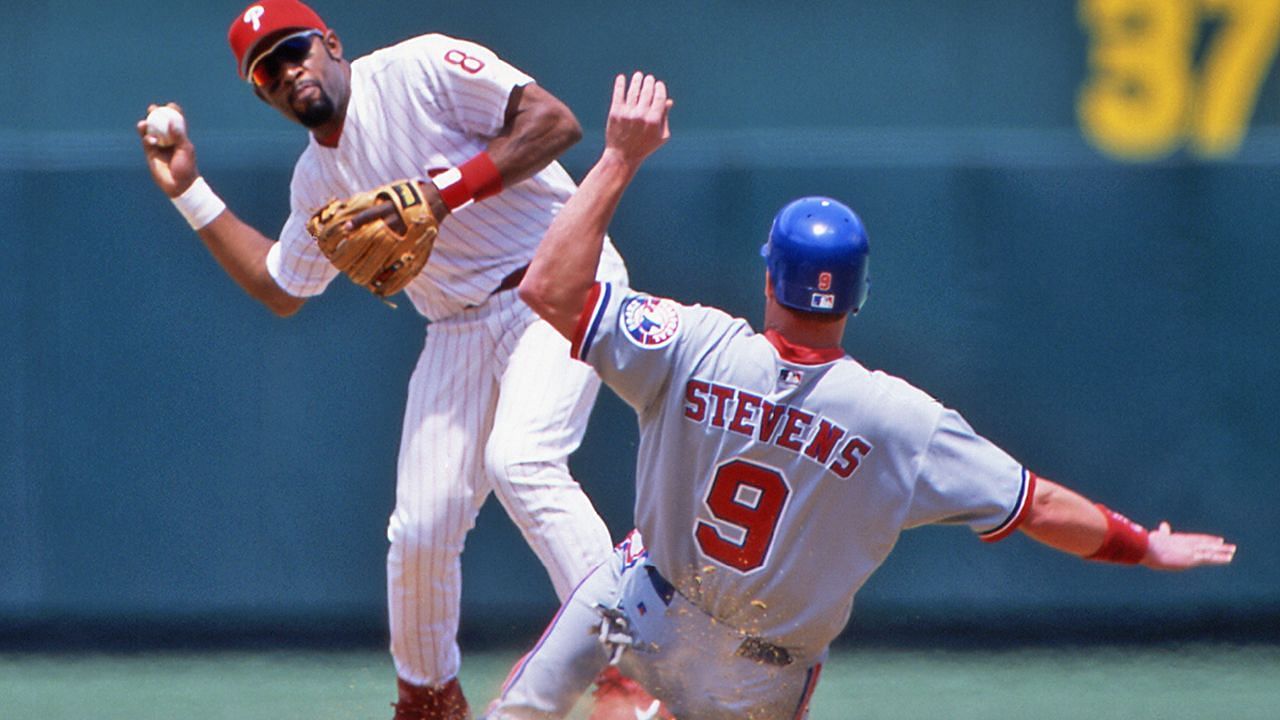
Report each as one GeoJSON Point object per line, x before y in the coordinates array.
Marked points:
{"type": "Point", "coordinates": [290, 49]}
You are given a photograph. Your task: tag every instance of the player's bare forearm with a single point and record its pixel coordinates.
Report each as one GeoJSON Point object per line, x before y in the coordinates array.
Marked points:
{"type": "Point", "coordinates": [239, 249]}
{"type": "Point", "coordinates": [242, 252]}
{"type": "Point", "coordinates": [564, 267]}
{"type": "Point", "coordinates": [539, 128]}
{"type": "Point", "coordinates": [1065, 520]}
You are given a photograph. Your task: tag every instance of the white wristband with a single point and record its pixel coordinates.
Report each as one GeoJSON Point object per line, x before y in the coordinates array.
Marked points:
{"type": "Point", "coordinates": [199, 204]}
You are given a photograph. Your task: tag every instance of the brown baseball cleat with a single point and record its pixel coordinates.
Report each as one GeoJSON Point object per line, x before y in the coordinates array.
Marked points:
{"type": "Point", "coordinates": [419, 702]}
{"type": "Point", "coordinates": [618, 697]}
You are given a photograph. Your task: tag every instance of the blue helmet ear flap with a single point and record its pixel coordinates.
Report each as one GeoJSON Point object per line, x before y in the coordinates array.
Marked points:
{"type": "Point", "coordinates": [818, 257]}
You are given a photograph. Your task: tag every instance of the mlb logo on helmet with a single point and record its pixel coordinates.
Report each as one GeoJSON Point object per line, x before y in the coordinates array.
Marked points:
{"type": "Point", "coordinates": [822, 301]}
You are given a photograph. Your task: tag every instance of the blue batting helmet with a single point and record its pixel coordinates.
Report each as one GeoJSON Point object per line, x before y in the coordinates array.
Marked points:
{"type": "Point", "coordinates": [817, 257]}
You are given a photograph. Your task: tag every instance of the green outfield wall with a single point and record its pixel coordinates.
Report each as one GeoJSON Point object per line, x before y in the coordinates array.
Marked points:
{"type": "Point", "coordinates": [1074, 210]}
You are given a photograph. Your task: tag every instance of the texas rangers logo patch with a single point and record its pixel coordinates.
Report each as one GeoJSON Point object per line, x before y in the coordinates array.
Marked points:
{"type": "Point", "coordinates": [650, 322]}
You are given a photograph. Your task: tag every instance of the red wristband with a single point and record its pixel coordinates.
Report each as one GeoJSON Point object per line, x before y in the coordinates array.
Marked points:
{"type": "Point", "coordinates": [1125, 542]}
{"type": "Point", "coordinates": [475, 179]}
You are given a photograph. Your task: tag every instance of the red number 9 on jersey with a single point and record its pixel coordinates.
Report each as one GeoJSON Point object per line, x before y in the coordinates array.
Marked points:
{"type": "Point", "coordinates": [751, 498]}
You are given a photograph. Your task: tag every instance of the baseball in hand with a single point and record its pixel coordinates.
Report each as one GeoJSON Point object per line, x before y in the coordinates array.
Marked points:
{"type": "Point", "coordinates": [165, 124]}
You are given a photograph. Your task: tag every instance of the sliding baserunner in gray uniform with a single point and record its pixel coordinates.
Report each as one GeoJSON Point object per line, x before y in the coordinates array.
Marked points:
{"type": "Point", "coordinates": [774, 473]}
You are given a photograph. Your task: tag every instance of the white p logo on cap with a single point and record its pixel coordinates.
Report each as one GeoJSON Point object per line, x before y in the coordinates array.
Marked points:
{"type": "Point", "coordinates": [254, 15]}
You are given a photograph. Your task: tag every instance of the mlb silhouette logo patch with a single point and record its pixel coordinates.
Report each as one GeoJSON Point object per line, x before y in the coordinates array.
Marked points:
{"type": "Point", "coordinates": [790, 378]}
{"type": "Point", "coordinates": [650, 322]}
{"type": "Point", "coordinates": [822, 301]}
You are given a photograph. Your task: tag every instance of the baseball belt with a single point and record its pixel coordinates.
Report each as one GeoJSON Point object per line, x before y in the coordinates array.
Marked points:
{"type": "Point", "coordinates": [511, 281]}
{"type": "Point", "coordinates": [752, 648]}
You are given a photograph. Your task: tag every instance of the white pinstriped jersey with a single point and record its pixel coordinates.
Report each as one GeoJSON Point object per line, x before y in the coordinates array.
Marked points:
{"type": "Point", "coordinates": [772, 480]}
{"type": "Point", "coordinates": [429, 103]}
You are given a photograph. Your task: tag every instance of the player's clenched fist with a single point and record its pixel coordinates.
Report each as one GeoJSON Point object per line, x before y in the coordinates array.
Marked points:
{"type": "Point", "coordinates": [637, 117]}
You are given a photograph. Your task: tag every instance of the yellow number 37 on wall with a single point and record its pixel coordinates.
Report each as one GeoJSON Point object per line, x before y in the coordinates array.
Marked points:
{"type": "Point", "coordinates": [1158, 82]}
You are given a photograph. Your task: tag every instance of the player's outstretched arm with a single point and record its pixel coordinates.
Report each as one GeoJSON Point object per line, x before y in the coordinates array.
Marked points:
{"type": "Point", "coordinates": [564, 267]}
{"type": "Point", "coordinates": [1063, 519]}
{"type": "Point", "coordinates": [238, 247]}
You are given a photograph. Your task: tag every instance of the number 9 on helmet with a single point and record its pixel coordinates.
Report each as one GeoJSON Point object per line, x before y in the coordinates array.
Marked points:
{"type": "Point", "coordinates": [817, 255]}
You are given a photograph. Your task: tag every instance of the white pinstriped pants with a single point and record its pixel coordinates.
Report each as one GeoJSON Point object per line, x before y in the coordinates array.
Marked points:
{"type": "Point", "coordinates": [495, 404]}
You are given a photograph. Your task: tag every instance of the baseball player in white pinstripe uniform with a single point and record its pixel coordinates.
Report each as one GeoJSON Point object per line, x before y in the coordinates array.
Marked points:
{"type": "Point", "coordinates": [774, 472]}
{"type": "Point", "coordinates": [495, 404]}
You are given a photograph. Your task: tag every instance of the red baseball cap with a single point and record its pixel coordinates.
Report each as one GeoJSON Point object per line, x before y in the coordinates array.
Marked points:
{"type": "Point", "coordinates": [262, 20]}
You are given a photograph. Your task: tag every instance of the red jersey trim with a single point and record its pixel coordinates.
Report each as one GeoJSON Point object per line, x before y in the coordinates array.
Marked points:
{"type": "Point", "coordinates": [1020, 511]}
{"type": "Point", "coordinates": [589, 311]}
{"type": "Point", "coordinates": [800, 354]}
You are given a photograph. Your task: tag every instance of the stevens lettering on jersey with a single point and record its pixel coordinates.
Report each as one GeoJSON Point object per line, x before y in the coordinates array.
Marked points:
{"type": "Point", "coordinates": [748, 414]}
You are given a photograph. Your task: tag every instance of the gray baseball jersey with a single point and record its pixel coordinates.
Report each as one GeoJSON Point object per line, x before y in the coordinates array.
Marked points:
{"type": "Point", "coordinates": [772, 479]}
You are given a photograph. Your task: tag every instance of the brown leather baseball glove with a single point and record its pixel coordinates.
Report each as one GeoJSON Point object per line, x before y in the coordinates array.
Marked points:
{"type": "Point", "coordinates": [378, 253]}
